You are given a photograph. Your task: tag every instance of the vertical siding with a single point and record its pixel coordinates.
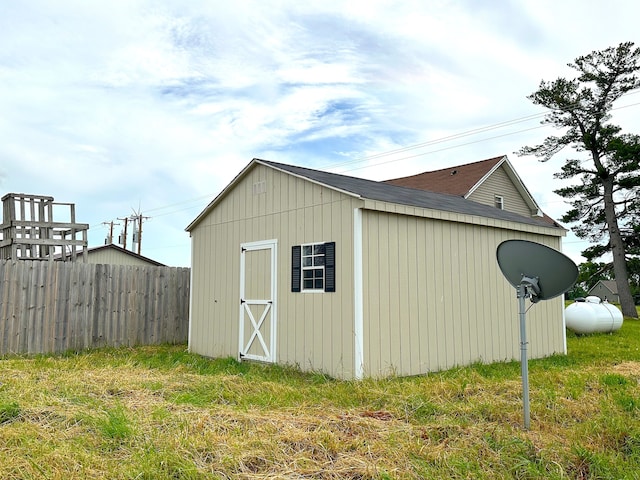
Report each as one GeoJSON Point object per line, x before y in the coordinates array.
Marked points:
{"type": "Point", "coordinates": [434, 297]}
{"type": "Point", "coordinates": [499, 183]}
{"type": "Point", "coordinates": [314, 331]}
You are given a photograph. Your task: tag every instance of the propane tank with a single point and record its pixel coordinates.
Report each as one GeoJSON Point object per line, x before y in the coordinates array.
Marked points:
{"type": "Point", "coordinates": [592, 315]}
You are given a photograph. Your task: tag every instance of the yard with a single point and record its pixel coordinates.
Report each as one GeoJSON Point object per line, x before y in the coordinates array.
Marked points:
{"type": "Point", "coordinates": [160, 412]}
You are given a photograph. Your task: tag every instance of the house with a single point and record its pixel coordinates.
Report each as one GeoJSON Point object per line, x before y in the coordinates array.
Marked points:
{"type": "Point", "coordinates": [491, 182]}
{"type": "Point", "coordinates": [606, 290]}
{"type": "Point", "coordinates": [358, 278]}
{"type": "Point", "coordinates": [115, 255]}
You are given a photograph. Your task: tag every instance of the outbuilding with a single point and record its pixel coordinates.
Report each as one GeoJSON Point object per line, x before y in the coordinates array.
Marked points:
{"type": "Point", "coordinates": [357, 278]}
{"type": "Point", "coordinates": [605, 290]}
{"type": "Point", "coordinates": [116, 255]}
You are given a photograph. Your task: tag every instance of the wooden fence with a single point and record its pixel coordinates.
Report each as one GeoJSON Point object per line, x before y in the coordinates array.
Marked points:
{"type": "Point", "coordinates": [50, 307]}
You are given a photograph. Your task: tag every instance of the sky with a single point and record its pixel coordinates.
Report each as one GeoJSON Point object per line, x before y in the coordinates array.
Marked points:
{"type": "Point", "coordinates": [151, 107]}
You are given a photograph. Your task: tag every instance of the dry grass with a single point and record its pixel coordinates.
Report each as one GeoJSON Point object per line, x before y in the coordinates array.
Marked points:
{"type": "Point", "coordinates": [161, 413]}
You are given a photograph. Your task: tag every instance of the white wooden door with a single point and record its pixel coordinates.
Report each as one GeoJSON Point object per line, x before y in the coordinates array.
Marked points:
{"type": "Point", "coordinates": [258, 318]}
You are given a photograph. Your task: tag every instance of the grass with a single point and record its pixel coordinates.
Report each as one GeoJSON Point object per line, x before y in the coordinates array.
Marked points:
{"type": "Point", "coordinates": [162, 413]}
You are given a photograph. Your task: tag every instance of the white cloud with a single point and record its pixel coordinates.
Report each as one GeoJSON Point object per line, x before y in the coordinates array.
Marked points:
{"type": "Point", "coordinates": [157, 105]}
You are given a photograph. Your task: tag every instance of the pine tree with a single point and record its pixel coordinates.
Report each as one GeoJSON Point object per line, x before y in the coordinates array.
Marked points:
{"type": "Point", "coordinates": [604, 200]}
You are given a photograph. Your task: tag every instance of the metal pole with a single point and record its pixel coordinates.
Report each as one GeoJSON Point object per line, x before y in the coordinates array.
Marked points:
{"type": "Point", "coordinates": [124, 234]}
{"type": "Point", "coordinates": [522, 293]}
{"type": "Point", "coordinates": [139, 233]}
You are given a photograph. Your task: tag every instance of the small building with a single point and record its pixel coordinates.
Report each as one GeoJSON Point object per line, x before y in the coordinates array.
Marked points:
{"type": "Point", "coordinates": [358, 278]}
{"type": "Point", "coordinates": [606, 290]}
{"type": "Point", "coordinates": [112, 254]}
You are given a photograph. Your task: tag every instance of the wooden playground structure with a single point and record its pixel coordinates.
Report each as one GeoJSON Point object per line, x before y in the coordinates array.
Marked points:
{"type": "Point", "coordinates": [29, 232]}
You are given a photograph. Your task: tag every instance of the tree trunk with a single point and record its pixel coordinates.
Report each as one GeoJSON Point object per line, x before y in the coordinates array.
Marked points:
{"type": "Point", "coordinates": [617, 250]}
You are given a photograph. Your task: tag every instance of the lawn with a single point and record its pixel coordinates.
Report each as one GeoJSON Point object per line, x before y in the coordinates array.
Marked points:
{"type": "Point", "coordinates": [162, 413]}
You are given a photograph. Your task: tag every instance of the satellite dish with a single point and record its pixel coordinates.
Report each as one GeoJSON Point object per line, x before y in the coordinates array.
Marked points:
{"type": "Point", "coordinates": [555, 273]}
{"type": "Point", "coordinates": [539, 273]}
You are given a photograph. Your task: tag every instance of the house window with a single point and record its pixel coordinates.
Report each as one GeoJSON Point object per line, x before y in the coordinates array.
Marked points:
{"type": "Point", "coordinates": [313, 267]}
{"type": "Point", "coordinates": [499, 202]}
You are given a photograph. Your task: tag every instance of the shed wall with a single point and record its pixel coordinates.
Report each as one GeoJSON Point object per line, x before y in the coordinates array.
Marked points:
{"type": "Point", "coordinates": [499, 183]}
{"type": "Point", "coordinates": [314, 330]}
{"type": "Point", "coordinates": [434, 297]}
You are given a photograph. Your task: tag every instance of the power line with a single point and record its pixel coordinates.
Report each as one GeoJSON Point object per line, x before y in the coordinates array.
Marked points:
{"type": "Point", "coordinates": [195, 199]}
{"type": "Point", "coordinates": [454, 137]}
{"type": "Point", "coordinates": [444, 149]}
{"type": "Point", "coordinates": [467, 133]}
{"type": "Point", "coordinates": [416, 146]}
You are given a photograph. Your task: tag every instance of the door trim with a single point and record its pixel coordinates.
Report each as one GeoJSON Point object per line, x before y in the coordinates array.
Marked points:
{"type": "Point", "coordinates": [270, 305]}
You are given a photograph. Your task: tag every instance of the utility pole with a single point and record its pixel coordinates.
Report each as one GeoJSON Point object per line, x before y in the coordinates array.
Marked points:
{"type": "Point", "coordinates": [109, 239]}
{"type": "Point", "coordinates": [138, 219]}
{"type": "Point", "coordinates": [139, 233]}
{"type": "Point", "coordinates": [123, 240]}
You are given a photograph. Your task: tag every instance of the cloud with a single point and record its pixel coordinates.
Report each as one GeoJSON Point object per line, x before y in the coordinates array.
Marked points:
{"type": "Point", "coordinates": [157, 105]}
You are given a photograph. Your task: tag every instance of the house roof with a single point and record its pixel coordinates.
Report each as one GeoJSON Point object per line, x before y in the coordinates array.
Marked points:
{"type": "Point", "coordinates": [385, 192]}
{"type": "Point", "coordinates": [458, 180]}
{"type": "Point", "coordinates": [464, 179]}
{"type": "Point", "coordinates": [124, 251]}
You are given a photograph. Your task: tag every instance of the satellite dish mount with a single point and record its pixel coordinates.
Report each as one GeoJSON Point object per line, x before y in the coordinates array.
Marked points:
{"type": "Point", "coordinates": [538, 273]}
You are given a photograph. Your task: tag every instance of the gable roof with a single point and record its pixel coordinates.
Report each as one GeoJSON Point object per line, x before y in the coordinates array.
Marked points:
{"type": "Point", "coordinates": [384, 192]}
{"type": "Point", "coordinates": [463, 180]}
{"type": "Point", "coordinates": [458, 180]}
{"type": "Point", "coordinates": [124, 251]}
{"type": "Point", "coordinates": [608, 284]}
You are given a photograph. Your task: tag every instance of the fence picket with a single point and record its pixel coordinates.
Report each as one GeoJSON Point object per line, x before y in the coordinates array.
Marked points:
{"type": "Point", "coordinates": [51, 307]}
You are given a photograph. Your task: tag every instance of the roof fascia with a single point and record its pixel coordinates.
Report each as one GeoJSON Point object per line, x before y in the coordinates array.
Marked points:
{"type": "Point", "coordinates": [485, 176]}
{"type": "Point", "coordinates": [517, 182]}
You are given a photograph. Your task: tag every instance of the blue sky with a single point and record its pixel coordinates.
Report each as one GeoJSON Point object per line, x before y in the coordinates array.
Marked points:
{"type": "Point", "coordinates": [154, 106]}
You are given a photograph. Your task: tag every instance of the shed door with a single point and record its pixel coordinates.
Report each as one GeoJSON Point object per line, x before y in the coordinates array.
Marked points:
{"type": "Point", "coordinates": [258, 301]}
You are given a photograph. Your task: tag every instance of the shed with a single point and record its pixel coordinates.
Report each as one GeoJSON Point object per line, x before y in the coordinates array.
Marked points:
{"type": "Point", "coordinates": [606, 290]}
{"type": "Point", "coordinates": [358, 278]}
{"type": "Point", "coordinates": [115, 255]}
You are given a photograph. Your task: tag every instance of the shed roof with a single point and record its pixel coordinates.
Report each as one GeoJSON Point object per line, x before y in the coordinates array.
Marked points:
{"type": "Point", "coordinates": [385, 192]}
{"type": "Point", "coordinates": [124, 251]}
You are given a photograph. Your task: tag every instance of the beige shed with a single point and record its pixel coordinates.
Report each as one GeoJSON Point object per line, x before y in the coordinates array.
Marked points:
{"type": "Point", "coordinates": [358, 278]}
{"type": "Point", "coordinates": [115, 255]}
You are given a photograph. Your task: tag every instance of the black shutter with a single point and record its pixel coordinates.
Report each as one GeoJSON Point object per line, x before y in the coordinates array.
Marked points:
{"type": "Point", "coordinates": [296, 265]}
{"type": "Point", "coordinates": [330, 267]}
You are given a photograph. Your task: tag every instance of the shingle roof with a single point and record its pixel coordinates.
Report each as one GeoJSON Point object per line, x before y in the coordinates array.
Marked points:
{"type": "Point", "coordinates": [610, 285]}
{"type": "Point", "coordinates": [458, 180]}
{"type": "Point", "coordinates": [386, 192]}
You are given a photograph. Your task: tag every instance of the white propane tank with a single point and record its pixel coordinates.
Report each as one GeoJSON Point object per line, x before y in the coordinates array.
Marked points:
{"type": "Point", "coordinates": [591, 315]}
